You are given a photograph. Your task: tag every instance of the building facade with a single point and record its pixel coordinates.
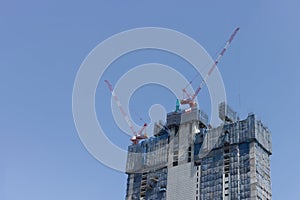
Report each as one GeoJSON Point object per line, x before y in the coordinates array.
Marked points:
{"type": "Point", "coordinates": [187, 160]}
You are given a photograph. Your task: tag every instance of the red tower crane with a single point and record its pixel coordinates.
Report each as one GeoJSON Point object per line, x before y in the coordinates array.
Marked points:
{"type": "Point", "coordinates": [137, 136]}
{"type": "Point", "coordinates": [191, 98]}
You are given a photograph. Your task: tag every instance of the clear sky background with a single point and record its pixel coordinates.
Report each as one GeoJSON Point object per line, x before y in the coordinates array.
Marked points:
{"type": "Point", "coordinates": [42, 45]}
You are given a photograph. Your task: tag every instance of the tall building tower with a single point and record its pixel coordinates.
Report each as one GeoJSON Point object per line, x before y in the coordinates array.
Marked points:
{"type": "Point", "coordinates": [185, 159]}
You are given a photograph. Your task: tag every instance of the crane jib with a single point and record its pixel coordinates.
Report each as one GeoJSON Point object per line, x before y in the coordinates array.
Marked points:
{"type": "Point", "coordinates": [191, 101]}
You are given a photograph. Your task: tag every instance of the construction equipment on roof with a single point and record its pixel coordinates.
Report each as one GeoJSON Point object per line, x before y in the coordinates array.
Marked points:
{"type": "Point", "coordinates": [191, 98]}
{"type": "Point", "coordinates": [137, 136]}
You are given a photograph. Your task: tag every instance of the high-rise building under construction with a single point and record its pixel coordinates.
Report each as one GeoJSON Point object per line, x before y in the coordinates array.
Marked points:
{"type": "Point", "coordinates": [188, 160]}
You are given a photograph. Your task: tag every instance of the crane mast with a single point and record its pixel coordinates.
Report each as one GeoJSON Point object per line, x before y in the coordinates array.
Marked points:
{"type": "Point", "coordinates": [191, 98]}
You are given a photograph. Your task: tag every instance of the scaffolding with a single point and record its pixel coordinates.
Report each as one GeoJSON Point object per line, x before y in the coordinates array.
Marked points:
{"type": "Point", "coordinates": [186, 160]}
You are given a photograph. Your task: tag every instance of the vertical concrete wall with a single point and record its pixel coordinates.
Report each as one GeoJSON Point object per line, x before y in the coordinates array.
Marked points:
{"type": "Point", "coordinates": [181, 182]}
{"type": "Point", "coordinates": [184, 143]}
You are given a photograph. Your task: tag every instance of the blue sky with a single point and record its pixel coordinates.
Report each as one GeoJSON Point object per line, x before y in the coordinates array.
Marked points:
{"type": "Point", "coordinates": [44, 43]}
